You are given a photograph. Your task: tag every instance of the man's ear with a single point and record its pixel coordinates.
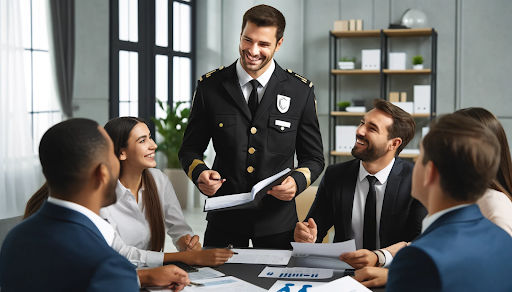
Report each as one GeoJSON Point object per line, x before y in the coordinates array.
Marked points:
{"type": "Point", "coordinates": [395, 143]}
{"type": "Point", "coordinates": [278, 45]}
{"type": "Point", "coordinates": [431, 174]}
{"type": "Point", "coordinates": [101, 174]}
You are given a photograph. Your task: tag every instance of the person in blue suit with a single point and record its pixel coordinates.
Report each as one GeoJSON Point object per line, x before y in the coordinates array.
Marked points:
{"type": "Point", "coordinates": [459, 249]}
{"type": "Point", "coordinates": [65, 246]}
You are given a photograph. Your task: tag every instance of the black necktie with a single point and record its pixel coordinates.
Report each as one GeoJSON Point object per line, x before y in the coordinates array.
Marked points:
{"type": "Point", "coordinates": [253, 98]}
{"type": "Point", "coordinates": [370, 216]}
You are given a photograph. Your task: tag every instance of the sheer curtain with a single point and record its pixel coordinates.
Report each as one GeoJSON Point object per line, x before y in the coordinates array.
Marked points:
{"type": "Point", "coordinates": [18, 166]}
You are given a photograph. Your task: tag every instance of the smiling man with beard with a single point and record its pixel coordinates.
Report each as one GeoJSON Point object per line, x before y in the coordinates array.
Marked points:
{"type": "Point", "coordinates": [258, 117]}
{"type": "Point", "coordinates": [369, 198]}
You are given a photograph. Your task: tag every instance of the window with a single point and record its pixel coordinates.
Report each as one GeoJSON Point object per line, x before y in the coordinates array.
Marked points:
{"type": "Point", "coordinates": [152, 56]}
{"type": "Point", "coordinates": [42, 100]}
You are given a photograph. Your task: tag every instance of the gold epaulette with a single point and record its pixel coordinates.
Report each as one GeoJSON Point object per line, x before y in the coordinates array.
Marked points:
{"type": "Point", "coordinates": [309, 83]}
{"type": "Point", "coordinates": [210, 73]}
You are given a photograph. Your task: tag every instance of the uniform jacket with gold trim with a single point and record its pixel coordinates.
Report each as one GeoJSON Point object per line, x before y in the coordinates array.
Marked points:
{"type": "Point", "coordinates": [250, 149]}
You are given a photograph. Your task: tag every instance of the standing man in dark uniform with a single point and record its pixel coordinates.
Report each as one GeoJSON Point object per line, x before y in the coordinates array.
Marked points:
{"type": "Point", "coordinates": [258, 116]}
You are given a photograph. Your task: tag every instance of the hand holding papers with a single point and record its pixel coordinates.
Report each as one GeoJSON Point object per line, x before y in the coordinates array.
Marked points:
{"type": "Point", "coordinates": [250, 200]}
{"type": "Point", "coordinates": [260, 256]}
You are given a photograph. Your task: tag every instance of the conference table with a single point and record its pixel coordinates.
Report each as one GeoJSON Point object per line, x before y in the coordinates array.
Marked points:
{"type": "Point", "coordinates": [250, 272]}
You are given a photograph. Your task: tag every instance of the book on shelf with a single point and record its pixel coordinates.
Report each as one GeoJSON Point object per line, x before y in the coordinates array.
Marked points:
{"type": "Point", "coordinates": [251, 200]}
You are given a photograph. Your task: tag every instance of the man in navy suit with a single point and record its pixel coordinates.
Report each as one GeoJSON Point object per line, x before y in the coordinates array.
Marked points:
{"type": "Point", "coordinates": [65, 246]}
{"type": "Point", "coordinates": [369, 198]}
{"type": "Point", "coordinates": [459, 249]}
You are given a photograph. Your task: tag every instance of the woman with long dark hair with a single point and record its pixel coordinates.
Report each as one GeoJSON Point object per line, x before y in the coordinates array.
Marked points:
{"type": "Point", "coordinates": [147, 206]}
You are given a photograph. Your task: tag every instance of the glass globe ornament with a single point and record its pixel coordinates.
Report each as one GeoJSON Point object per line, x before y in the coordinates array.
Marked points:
{"type": "Point", "coordinates": [414, 18]}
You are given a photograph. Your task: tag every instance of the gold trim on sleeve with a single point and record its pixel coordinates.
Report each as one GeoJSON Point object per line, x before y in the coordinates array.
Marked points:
{"type": "Point", "coordinates": [192, 166]}
{"type": "Point", "coordinates": [307, 173]}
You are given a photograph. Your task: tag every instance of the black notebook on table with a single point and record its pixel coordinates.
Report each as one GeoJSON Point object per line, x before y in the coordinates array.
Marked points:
{"type": "Point", "coordinates": [250, 200]}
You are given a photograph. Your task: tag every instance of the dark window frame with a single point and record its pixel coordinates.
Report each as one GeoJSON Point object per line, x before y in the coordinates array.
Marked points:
{"type": "Point", "coordinates": [147, 51]}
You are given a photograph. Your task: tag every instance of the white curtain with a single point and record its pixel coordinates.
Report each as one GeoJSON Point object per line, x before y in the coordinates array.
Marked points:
{"type": "Point", "coordinates": [18, 164]}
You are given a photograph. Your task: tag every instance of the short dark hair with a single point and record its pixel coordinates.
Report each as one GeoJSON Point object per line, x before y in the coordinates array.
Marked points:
{"type": "Point", "coordinates": [466, 154]}
{"type": "Point", "coordinates": [264, 15]}
{"type": "Point", "coordinates": [403, 125]}
{"type": "Point", "coordinates": [67, 151]}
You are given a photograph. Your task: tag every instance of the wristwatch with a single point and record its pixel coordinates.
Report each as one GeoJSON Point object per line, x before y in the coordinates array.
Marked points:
{"type": "Point", "coordinates": [381, 258]}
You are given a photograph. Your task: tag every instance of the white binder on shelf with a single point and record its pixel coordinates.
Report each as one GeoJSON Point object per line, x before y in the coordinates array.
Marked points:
{"type": "Point", "coordinates": [345, 138]}
{"type": "Point", "coordinates": [421, 99]}
{"type": "Point", "coordinates": [370, 60]}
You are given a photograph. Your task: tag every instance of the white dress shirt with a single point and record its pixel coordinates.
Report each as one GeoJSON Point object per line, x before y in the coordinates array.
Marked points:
{"type": "Point", "coordinates": [244, 78]}
{"type": "Point", "coordinates": [427, 221]}
{"type": "Point", "coordinates": [362, 187]}
{"type": "Point", "coordinates": [497, 207]}
{"type": "Point", "coordinates": [132, 229]}
{"type": "Point", "coordinates": [105, 229]}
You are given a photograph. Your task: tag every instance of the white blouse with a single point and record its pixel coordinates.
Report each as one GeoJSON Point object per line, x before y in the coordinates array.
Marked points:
{"type": "Point", "coordinates": [497, 207]}
{"type": "Point", "coordinates": [132, 229]}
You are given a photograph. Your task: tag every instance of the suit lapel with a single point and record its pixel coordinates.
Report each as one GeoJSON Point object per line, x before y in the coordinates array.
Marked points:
{"type": "Point", "coordinates": [390, 195]}
{"type": "Point", "coordinates": [233, 87]}
{"type": "Point", "coordinates": [274, 87]}
{"type": "Point", "coordinates": [347, 196]}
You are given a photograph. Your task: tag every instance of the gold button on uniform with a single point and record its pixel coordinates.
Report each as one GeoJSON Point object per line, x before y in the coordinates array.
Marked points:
{"type": "Point", "coordinates": [251, 150]}
{"type": "Point", "coordinates": [250, 169]}
{"type": "Point", "coordinates": [253, 130]}
{"type": "Point", "coordinates": [221, 125]}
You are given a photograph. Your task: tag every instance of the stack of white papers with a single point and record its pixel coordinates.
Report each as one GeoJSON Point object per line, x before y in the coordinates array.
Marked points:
{"type": "Point", "coordinates": [333, 250]}
{"type": "Point", "coordinates": [260, 257]}
{"type": "Point", "coordinates": [345, 284]}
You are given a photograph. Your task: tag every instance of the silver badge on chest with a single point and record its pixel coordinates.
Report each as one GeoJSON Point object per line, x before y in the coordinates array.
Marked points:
{"type": "Point", "coordinates": [283, 103]}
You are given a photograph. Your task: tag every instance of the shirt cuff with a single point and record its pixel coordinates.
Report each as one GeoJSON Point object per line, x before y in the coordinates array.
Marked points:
{"type": "Point", "coordinates": [154, 259]}
{"type": "Point", "coordinates": [138, 281]}
{"type": "Point", "coordinates": [389, 258]}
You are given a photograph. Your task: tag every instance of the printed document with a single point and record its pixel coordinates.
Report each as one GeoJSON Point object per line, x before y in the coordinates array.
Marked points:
{"type": "Point", "coordinates": [345, 284]}
{"type": "Point", "coordinates": [261, 257]}
{"type": "Point", "coordinates": [296, 273]}
{"type": "Point", "coordinates": [294, 286]}
{"type": "Point", "coordinates": [260, 188]}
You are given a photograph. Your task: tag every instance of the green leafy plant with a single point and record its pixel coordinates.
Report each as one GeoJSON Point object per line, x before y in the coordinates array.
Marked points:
{"type": "Point", "coordinates": [345, 59]}
{"type": "Point", "coordinates": [171, 128]}
{"type": "Point", "coordinates": [417, 60]}
{"type": "Point", "coordinates": [342, 105]}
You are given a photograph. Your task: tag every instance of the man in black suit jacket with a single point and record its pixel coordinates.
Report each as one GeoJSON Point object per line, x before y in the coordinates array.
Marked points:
{"type": "Point", "coordinates": [258, 116]}
{"type": "Point", "coordinates": [376, 217]}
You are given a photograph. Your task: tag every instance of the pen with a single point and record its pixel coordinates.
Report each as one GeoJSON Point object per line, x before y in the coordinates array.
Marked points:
{"type": "Point", "coordinates": [196, 284]}
{"type": "Point", "coordinates": [216, 178]}
{"type": "Point", "coordinates": [229, 247]}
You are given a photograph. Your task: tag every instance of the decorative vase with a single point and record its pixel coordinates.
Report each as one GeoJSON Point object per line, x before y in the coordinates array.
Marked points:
{"type": "Point", "coordinates": [417, 67]}
{"type": "Point", "coordinates": [181, 184]}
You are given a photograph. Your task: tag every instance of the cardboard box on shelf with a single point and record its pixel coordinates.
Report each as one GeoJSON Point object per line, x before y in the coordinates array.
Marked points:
{"type": "Point", "coordinates": [393, 97]}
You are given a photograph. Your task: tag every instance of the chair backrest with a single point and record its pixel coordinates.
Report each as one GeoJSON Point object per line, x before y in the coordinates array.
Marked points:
{"type": "Point", "coordinates": [6, 225]}
{"type": "Point", "coordinates": [304, 201]}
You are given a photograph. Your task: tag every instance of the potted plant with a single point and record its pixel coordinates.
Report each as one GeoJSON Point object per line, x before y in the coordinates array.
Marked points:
{"type": "Point", "coordinates": [417, 62]}
{"type": "Point", "coordinates": [342, 105]}
{"type": "Point", "coordinates": [346, 63]}
{"type": "Point", "coordinates": [171, 129]}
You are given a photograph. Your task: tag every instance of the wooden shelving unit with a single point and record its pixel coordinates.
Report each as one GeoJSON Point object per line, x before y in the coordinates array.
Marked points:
{"type": "Point", "coordinates": [353, 114]}
{"type": "Point", "coordinates": [403, 155]}
{"type": "Point", "coordinates": [384, 74]}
